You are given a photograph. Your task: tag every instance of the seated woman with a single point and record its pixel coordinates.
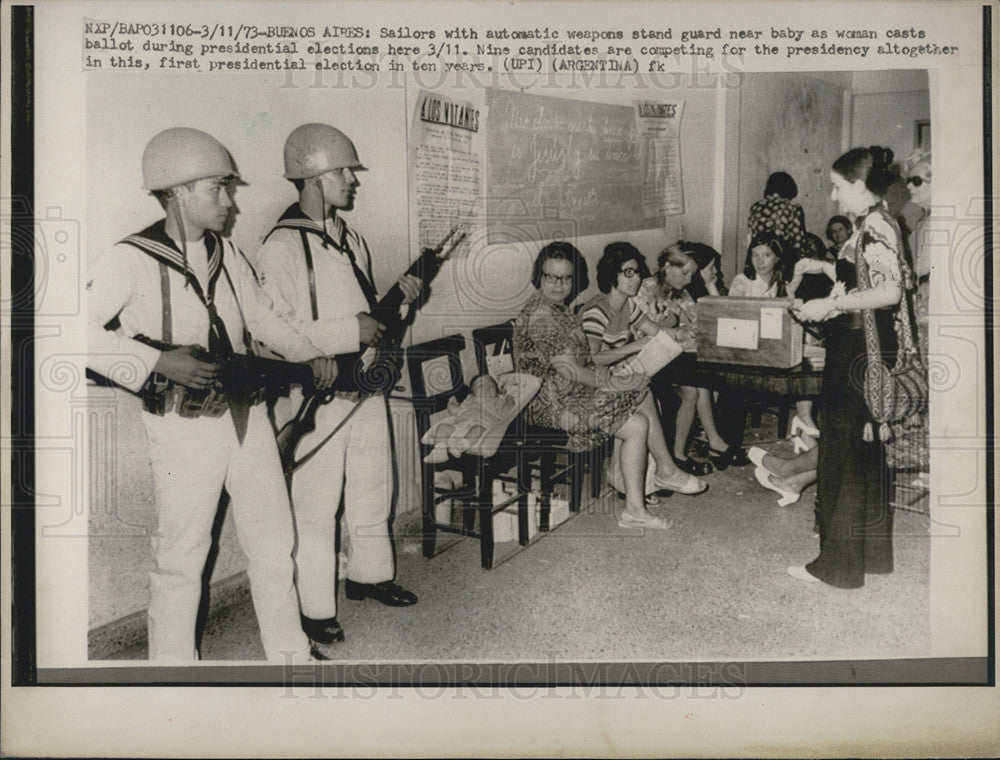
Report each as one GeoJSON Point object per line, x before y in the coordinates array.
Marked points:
{"type": "Point", "coordinates": [612, 318]}
{"type": "Point", "coordinates": [786, 477]}
{"type": "Point", "coordinates": [789, 477]}
{"type": "Point", "coordinates": [669, 305]}
{"type": "Point", "coordinates": [762, 275]}
{"type": "Point", "coordinates": [584, 399]}
{"type": "Point", "coordinates": [709, 263]}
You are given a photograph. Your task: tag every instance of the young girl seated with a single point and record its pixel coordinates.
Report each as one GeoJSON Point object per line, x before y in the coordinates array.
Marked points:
{"type": "Point", "coordinates": [763, 274]}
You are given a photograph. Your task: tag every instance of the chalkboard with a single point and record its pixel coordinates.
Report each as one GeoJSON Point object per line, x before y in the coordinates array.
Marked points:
{"type": "Point", "coordinates": [560, 168]}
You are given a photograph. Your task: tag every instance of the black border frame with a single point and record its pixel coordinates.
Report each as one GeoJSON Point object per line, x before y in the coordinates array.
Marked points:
{"type": "Point", "coordinates": [22, 329]}
{"type": "Point", "coordinates": [24, 670]}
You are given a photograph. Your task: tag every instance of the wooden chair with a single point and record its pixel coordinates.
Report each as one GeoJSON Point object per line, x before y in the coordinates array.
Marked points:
{"type": "Point", "coordinates": [436, 376]}
{"type": "Point", "coordinates": [537, 443]}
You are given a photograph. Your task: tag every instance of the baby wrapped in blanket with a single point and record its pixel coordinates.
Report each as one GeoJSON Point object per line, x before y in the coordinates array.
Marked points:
{"type": "Point", "coordinates": [478, 424]}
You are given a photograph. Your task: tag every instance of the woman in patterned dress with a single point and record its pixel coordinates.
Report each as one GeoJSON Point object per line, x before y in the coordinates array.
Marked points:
{"type": "Point", "coordinates": [854, 517]}
{"type": "Point", "coordinates": [777, 214]}
{"type": "Point", "coordinates": [582, 398]}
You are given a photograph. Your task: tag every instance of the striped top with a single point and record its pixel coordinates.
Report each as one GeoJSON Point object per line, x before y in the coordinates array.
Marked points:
{"type": "Point", "coordinates": [614, 330]}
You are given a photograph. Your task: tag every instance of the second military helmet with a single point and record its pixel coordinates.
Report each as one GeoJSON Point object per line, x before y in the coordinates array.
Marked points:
{"type": "Point", "coordinates": [314, 149]}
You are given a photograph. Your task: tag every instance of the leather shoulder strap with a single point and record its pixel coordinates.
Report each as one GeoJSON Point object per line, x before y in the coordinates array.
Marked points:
{"type": "Point", "coordinates": [166, 331]}
{"type": "Point", "coordinates": [311, 272]}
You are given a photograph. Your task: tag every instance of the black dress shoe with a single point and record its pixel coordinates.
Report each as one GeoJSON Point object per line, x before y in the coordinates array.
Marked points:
{"type": "Point", "coordinates": [317, 654]}
{"type": "Point", "coordinates": [386, 592]}
{"type": "Point", "coordinates": [738, 458]}
{"type": "Point", "coordinates": [694, 467]}
{"type": "Point", "coordinates": [325, 631]}
{"type": "Point", "coordinates": [734, 456]}
{"type": "Point", "coordinates": [698, 448]}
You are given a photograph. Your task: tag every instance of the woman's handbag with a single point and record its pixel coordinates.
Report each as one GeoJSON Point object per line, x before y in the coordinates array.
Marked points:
{"type": "Point", "coordinates": [896, 396]}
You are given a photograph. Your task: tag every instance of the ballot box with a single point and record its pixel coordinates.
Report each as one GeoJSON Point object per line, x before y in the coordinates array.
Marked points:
{"type": "Point", "coordinates": [751, 331]}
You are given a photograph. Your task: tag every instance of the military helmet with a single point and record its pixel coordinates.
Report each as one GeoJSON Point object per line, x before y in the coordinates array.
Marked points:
{"type": "Point", "coordinates": [314, 149]}
{"type": "Point", "coordinates": [181, 154]}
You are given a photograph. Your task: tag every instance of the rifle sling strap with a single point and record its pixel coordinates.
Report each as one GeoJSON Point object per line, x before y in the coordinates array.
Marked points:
{"type": "Point", "coordinates": [315, 450]}
{"type": "Point", "coordinates": [167, 328]}
{"type": "Point", "coordinates": [311, 270]}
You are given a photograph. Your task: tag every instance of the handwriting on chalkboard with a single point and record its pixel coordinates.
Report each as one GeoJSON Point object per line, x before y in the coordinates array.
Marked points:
{"type": "Point", "coordinates": [556, 156]}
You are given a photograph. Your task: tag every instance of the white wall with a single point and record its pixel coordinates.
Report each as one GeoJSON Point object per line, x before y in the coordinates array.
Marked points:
{"type": "Point", "coordinates": [889, 119]}
{"type": "Point", "coordinates": [252, 120]}
{"type": "Point", "coordinates": [787, 122]}
{"type": "Point", "coordinates": [885, 108]}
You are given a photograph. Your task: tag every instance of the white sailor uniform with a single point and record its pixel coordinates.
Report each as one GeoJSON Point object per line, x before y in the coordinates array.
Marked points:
{"type": "Point", "coordinates": [194, 458]}
{"type": "Point", "coordinates": [356, 463]}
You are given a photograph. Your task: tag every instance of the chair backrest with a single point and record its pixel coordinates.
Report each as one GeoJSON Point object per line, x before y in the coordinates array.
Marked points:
{"type": "Point", "coordinates": [494, 346]}
{"type": "Point", "coordinates": [436, 375]}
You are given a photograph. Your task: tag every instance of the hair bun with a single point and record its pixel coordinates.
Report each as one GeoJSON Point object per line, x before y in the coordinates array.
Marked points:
{"type": "Point", "coordinates": [882, 158]}
{"type": "Point", "coordinates": [881, 176]}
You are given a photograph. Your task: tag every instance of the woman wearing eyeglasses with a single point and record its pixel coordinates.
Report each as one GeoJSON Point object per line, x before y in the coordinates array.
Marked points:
{"type": "Point", "coordinates": [919, 185]}
{"type": "Point", "coordinates": [583, 398]}
{"type": "Point", "coordinates": [612, 319]}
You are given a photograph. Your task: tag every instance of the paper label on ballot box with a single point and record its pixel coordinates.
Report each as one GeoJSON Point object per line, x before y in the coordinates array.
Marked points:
{"type": "Point", "coordinates": [770, 323]}
{"type": "Point", "coordinates": [737, 333]}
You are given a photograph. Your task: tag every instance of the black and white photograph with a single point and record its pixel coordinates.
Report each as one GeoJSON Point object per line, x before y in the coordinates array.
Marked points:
{"type": "Point", "coordinates": [614, 378]}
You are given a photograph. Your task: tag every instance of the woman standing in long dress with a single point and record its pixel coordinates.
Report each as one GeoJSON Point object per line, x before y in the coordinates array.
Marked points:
{"type": "Point", "coordinates": [854, 516]}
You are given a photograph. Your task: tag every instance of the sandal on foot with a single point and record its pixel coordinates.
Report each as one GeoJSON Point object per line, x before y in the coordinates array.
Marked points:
{"type": "Point", "coordinates": [798, 426]}
{"type": "Point", "coordinates": [652, 500]}
{"type": "Point", "coordinates": [626, 520]}
{"type": "Point", "coordinates": [731, 457]}
{"type": "Point", "coordinates": [688, 485]}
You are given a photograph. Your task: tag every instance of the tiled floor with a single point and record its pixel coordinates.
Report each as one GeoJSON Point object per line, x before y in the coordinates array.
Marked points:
{"type": "Point", "coordinates": [713, 587]}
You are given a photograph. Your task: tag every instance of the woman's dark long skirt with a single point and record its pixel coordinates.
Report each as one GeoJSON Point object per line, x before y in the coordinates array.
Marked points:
{"type": "Point", "coordinates": [855, 519]}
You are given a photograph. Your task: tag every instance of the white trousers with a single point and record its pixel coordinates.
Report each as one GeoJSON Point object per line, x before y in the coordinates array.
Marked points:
{"type": "Point", "coordinates": [193, 459]}
{"type": "Point", "coordinates": [355, 464]}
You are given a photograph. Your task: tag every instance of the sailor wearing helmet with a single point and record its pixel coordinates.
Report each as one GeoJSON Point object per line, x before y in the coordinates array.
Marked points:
{"type": "Point", "coordinates": [316, 267]}
{"type": "Point", "coordinates": [180, 283]}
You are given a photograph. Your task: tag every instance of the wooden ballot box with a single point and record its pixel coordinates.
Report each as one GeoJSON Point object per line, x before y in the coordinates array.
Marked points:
{"type": "Point", "coordinates": [751, 331]}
